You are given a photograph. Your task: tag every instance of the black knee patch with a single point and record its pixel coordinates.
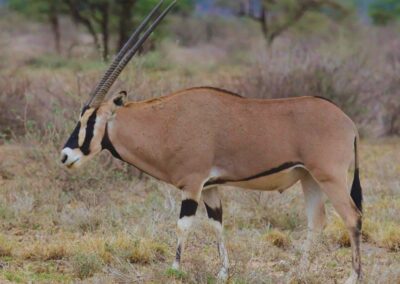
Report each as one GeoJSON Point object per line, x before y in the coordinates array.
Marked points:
{"type": "Point", "coordinates": [188, 208]}
{"type": "Point", "coordinates": [215, 214]}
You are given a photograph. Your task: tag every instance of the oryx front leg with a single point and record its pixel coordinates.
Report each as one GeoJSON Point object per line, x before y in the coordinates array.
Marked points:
{"type": "Point", "coordinates": [316, 218]}
{"type": "Point", "coordinates": [190, 201]}
{"type": "Point", "coordinates": [213, 204]}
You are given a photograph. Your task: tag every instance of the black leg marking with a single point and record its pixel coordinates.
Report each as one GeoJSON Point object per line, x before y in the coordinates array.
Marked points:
{"type": "Point", "coordinates": [178, 253]}
{"type": "Point", "coordinates": [215, 214]}
{"type": "Point", "coordinates": [188, 208]}
{"type": "Point", "coordinates": [359, 224]}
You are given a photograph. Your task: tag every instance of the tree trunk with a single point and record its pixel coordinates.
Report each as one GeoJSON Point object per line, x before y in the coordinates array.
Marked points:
{"type": "Point", "coordinates": [73, 7]}
{"type": "Point", "coordinates": [263, 21]}
{"type": "Point", "coordinates": [125, 21]}
{"type": "Point", "coordinates": [55, 27]}
{"type": "Point", "coordinates": [105, 18]}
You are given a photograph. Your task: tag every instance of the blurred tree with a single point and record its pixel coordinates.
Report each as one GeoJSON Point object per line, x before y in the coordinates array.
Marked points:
{"type": "Point", "coordinates": [131, 12]}
{"type": "Point", "coordinates": [42, 10]}
{"type": "Point", "coordinates": [97, 16]}
{"type": "Point", "coordinates": [277, 16]}
{"type": "Point", "coordinates": [120, 15]}
{"type": "Point", "coordinates": [383, 12]}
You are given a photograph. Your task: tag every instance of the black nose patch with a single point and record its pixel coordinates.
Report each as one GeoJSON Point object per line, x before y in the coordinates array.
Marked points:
{"type": "Point", "coordinates": [73, 140]}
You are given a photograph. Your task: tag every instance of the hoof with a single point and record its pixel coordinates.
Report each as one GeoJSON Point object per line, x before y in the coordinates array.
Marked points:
{"type": "Point", "coordinates": [353, 279]}
{"type": "Point", "coordinates": [222, 275]}
{"type": "Point", "coordinates": [175, 266]}
{"type": "Point", "coordinates": [304, 265]}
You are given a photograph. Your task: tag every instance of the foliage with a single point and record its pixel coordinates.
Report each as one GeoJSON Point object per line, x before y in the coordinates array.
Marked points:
{"type": "Point", "coordinates": [37, 9]}
{"type": "Point", "coordinates": [97, 16]}
{"type": "Point", "coordinates": [383, 12]}
{"type": "Point", "coordinates": [275, 17]}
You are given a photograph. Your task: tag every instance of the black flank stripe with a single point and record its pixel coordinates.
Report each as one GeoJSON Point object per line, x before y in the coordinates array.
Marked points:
{"type": "Point", "coordinates": [85, 148]}
{"type": "Point", "coordinates": [266, 173]}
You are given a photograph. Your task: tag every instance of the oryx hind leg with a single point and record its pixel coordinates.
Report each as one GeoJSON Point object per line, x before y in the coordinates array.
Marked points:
{"type": "Point", "coordinates": [190, 199]}
{"type": "Point", "coordinates": [336, 188]}
{"type": "Point", "coordinates": [316, 217]}
{"type": "Point", "coordinates": [213, 204]}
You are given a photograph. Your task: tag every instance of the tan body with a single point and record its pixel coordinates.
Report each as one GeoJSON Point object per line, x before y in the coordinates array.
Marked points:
{"type": "Point", "coordinates": [212, 134]}
{"type": "Point", "coordinates": [199, 138]}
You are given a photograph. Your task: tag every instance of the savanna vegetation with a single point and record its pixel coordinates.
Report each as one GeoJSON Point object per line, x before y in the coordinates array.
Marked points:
{"type": "Point", "coordinates": [108, 223]}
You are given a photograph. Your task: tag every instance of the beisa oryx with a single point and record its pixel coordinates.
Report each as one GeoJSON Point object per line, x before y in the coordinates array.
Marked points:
{"type": "Point", "coordinates": [200, 138]}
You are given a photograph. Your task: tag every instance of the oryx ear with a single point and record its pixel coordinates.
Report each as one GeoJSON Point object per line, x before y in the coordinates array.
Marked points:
{"type": "Point", "coordinates": [119, 99]}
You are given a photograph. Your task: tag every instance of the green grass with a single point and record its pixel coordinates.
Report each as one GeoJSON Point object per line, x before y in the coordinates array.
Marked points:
{"type": "Point", "coordinates": [86, 264]}
{"type": "Point", "coordinates": [174, 273]}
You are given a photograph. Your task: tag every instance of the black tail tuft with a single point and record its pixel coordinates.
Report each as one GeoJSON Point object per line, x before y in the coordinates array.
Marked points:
{"type": "Point", "coordinates": [356, 190]}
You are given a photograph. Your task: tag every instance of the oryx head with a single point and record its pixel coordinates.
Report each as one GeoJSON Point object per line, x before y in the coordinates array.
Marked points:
{"type": "Point", "coordinates": [86, 139]}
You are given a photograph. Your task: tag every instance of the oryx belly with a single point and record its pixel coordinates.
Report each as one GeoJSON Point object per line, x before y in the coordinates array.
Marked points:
{"type": "Point", "coordinates": [277, 181]}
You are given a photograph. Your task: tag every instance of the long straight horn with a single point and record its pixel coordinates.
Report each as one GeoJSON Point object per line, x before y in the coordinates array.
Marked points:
{"type": "Point", "coordinates": [127, 46]}
{"type": "Point", "coordinates": [99, 97]}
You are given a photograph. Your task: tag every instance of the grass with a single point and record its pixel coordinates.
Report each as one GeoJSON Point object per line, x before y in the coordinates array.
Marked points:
{"type": "Point", "coordinates": [174, 273]}
{"type": "Point", "coordinates": [129, 225]}
{"type": "Point", "coordinates": [44, 251]}
{"type": "Point", "coordinates": [86, 264]}
{"type": "Point", "coordinates": [277, 238]}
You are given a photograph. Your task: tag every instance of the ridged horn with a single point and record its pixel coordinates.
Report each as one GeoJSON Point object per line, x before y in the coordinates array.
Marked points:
{"type": "Point", "coordinates": [125, 55]}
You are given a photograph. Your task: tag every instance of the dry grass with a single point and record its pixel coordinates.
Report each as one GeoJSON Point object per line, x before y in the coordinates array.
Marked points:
{"type": "Point", "coordinates": [277, 238]}
{"type": "Point", "coordinates": [44, 251]}
{"type": "Point", "coordinates": [337, 232]}
{"type": "Point", "coordinates": [5, 247]}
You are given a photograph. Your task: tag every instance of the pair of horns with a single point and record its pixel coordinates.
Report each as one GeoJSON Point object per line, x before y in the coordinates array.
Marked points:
{"type": "Point", "coordinates": [126, 53]}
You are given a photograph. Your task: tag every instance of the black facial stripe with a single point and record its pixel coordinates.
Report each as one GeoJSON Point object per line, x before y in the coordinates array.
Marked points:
{"type": "Point", "coordinates": [85, 108]}
{"type": "Point", "coordinates": [85, 148]}
{"type": "Point", "coordinates": [266, 173]}
{"type": "Point", "coordinates": [188, 208]}
{"type": "Point", "coordinates": [106, 144]}
{"type": "Point", "coordinates": [72, 141]}
{"type": "Point", "coordinates": [215, 214]}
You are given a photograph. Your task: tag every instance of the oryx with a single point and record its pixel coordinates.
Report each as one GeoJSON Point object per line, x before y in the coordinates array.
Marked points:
{"type": "Point", "coordinates": [200, 138]}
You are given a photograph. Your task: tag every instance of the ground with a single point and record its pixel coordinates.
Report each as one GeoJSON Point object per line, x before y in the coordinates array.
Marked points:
{"type": "Point", "coordinates": [103, 225]}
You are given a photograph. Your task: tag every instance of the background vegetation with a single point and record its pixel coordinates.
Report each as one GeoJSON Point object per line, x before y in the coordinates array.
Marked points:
{"type": "Point", "coordinates": [104, 224]}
